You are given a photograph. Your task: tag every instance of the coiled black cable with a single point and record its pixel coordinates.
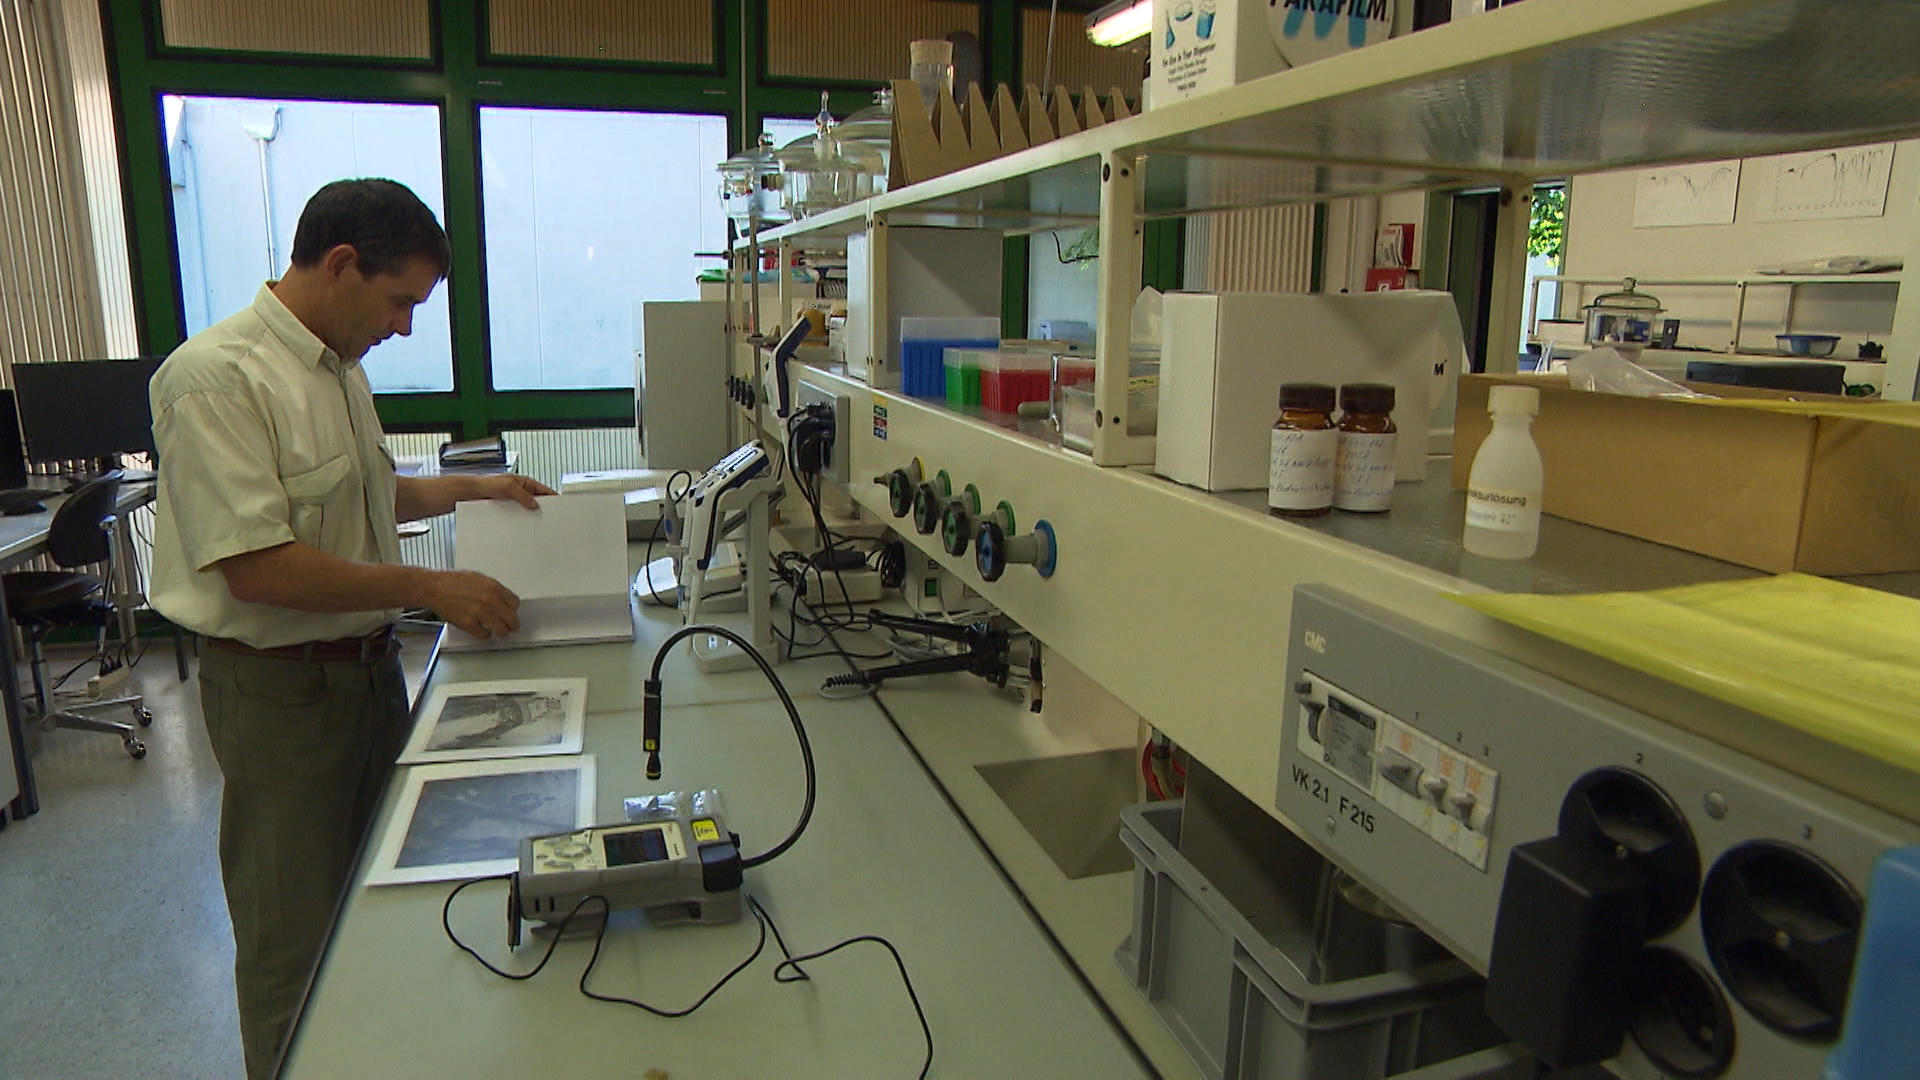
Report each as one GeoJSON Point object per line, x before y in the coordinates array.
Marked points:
{"type": "Point", "coordinates": [651, 706]}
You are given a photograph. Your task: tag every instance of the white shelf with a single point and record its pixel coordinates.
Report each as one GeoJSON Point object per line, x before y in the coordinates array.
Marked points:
{"type": "Point", "coordinates": [1543, 89]}
{"type": "Point", "coordinates": [1889, 277]}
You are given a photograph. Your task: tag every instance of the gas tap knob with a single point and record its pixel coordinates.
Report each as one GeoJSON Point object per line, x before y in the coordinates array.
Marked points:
{"type": "Point", "coordinates": [900, 485]}
{"type": "Point", "coordinates": [929, 499]}
{"type": "Point", "coordinates": [962, 517]}
{"type": "Point", "coordinates": [994, 550]}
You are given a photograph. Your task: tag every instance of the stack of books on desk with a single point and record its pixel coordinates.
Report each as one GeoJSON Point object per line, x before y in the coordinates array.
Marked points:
{"type": "Point", "coordinates": [486, 454]}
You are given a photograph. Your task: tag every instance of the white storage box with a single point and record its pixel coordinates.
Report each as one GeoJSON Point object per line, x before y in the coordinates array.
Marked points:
{"type": "Point", "coordinates": [1224, 357]}
{"type": "Point", "coordinates": [679, 383]}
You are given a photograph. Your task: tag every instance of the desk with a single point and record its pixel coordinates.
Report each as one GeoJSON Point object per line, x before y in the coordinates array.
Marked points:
{"type": "Point", "coordinates": [22, 538]}
{"type": "Point", "coordinates": [885, 854]}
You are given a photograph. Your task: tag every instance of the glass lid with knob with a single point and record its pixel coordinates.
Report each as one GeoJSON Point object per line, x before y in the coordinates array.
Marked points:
{"type": "Point", "coordinates": [816, 176]}
{"type": "Point", "coordinates": [750, 185]}
{"type": "Point", "coordinates": [1622, 319]}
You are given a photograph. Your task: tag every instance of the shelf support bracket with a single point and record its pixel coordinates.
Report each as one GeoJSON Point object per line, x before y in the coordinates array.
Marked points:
{"type": "Point", "coordinates": [1119, 284]}
{"type": "Point", "coordinates": [1509, 287]}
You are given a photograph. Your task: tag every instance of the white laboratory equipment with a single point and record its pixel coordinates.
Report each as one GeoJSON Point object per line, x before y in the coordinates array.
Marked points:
{"type": "Point", "coordinates": [680, 382]}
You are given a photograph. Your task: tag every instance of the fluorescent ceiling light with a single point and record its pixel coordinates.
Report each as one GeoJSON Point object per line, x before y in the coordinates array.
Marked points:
{"type": "Point", "coordinates": [1120, 22]}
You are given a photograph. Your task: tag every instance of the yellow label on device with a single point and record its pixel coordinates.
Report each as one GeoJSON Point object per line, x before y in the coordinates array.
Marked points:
{"type": "Point", "coordinates": [705, 829]}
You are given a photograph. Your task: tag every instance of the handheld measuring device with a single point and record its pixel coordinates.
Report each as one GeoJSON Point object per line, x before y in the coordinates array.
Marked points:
{"type": "Point", "coordinates": [679, 865]}
{"type": "Point", "coordinates": [703, 501]}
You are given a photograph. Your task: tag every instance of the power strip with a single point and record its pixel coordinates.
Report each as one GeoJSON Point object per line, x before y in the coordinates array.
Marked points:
{"type": "Point", "coordinates": [101, 686]}
{"type": "Point", "coordinates": [824, 587]}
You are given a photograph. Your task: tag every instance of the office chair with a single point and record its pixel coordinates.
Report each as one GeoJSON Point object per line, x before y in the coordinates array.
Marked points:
{"type": "Point", "coordinates": [41, 601]}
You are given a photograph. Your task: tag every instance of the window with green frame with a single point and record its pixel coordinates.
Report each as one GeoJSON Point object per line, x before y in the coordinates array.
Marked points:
{"type": "Point", "coordinates": [585, 213]}
{"type": "Point", "coordinates": [475, 58]}
{"type": "Point", "coordinates": [241, 171]}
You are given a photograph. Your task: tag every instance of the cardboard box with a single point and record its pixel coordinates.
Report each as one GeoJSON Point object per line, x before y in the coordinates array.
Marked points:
{"type": "Point", "coordinates": [1224, 357]}
{"type": "Point", "coordinates": [1774, 491]}
{"type": "Point", "coordinates": [1203, 45]}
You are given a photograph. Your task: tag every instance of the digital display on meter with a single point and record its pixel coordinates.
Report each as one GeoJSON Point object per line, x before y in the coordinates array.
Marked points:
{"type": "Point", "coordinates": [638, 846]}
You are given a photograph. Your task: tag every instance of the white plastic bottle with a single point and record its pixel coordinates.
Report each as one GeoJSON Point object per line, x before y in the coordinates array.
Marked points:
{"type": "Point", "coordinates": [1503, 489]}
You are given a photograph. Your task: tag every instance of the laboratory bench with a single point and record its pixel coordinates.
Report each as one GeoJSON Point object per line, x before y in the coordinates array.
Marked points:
{"type": "Point", "coordinates": [976, 834]}
{"type": "Point", "coordinates": [885, 854]}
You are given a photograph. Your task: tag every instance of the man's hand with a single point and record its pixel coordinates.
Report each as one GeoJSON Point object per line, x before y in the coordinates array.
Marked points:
{"type": "Point", "coordinates": [520, 489]}
{"type": "Point", "coordinates": [473, 602]}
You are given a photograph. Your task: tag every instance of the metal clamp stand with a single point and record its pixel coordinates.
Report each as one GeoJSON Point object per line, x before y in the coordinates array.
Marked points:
{"type": "Point", "coordinates": [714, 653]}
{"type": "Point", "coordinates": [987, 652]}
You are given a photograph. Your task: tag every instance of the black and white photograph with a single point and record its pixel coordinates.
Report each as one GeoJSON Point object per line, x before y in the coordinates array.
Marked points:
{"type": "Point", "coordinates": [466, 819]}
{"type": "Point", "coordinates": [516, 718]}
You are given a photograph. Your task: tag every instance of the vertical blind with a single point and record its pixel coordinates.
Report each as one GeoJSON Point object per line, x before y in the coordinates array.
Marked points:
{"type": "Point", "coordinates": [49, 304]}
{"type": "Point", "coordinates": [92, 101]}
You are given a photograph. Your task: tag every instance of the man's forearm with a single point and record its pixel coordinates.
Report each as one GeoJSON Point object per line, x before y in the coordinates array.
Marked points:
{"type": "Point", "coordinates": [304, 578]}
{"type": "Point", "coordinates": [416, 497]}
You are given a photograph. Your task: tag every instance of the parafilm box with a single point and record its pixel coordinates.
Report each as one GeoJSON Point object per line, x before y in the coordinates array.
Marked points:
{"type": "Point", "coordinates": [1202, 45]}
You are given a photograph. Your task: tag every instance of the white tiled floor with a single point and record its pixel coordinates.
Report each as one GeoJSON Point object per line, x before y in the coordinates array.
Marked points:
{"type": "Point", "coordinates": [116, 958]}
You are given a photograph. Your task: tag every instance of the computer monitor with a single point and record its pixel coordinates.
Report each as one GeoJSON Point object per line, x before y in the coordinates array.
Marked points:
{"type": "Point", "coordinates": [13, 456]}
{"type": "Point", "coordinates": [79, 409]}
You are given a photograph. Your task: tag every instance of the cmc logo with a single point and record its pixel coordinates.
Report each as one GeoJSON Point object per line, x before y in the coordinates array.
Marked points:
{"type": "Point", "coordinates": [1366, 21]}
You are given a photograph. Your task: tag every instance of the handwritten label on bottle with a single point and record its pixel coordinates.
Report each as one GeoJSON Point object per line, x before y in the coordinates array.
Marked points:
{"type": "Point", "coordinates": [1503, 511]}
{"type": "Point", "coordinates": [1363, 471]}
{"type": "Point", "coordinates": [1300, 471]}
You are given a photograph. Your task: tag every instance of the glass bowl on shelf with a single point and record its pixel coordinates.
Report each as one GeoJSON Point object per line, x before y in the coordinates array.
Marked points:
{"type": "Point", "coordinates": [1622, 320]}
{"type": "Point", "coordinates": [750, 185]}
{"type": "Point", "coordinates": [866, 138]}
{"type": "Point", "coordinates": [815, 177]}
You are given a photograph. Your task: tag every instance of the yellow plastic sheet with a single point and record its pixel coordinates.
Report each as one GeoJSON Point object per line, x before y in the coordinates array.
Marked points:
{"type": "Point", "coordinates": [1904, 413]}
{"type": "Point", "coordinates": [1839, 661]}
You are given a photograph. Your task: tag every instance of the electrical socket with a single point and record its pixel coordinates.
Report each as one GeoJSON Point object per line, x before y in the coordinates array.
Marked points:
{"type": "Point", "coordinates": [100, 686]}
{"type": "Point", "coordinates": [807, 393]}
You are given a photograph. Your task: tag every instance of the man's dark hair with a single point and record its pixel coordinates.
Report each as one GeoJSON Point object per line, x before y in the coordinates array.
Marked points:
{"type": "Point", "coordinates": [385, 222]}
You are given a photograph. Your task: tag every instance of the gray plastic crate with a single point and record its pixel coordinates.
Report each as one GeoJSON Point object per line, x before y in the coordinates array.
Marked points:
{"type": "Point", "coordinates": [1245, 1009]}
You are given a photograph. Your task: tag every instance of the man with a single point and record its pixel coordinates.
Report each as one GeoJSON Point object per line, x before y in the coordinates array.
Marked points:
{"type": "Point", "coordinates": [276, 539]}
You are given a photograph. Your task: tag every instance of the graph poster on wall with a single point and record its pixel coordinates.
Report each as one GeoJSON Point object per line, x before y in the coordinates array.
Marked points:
{"type": "Point", "coordinates": [1845, 183]}
{"type": "Point", "coordinates": [1686, 195]}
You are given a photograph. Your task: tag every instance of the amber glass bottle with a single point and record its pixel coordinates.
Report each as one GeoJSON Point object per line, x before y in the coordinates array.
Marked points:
{"type": "Point", "coordinates": [1300, 470]}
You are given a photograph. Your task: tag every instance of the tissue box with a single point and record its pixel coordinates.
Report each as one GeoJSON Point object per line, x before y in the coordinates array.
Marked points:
{"type": "Point", "coordinates": [1774, 491]}
{"type": "Point", "coordinates": [1225, 355]}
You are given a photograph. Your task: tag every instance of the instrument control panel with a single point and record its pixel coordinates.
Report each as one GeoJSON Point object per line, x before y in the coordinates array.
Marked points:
{"type": "Point", "coordinates": [1436, 788]}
